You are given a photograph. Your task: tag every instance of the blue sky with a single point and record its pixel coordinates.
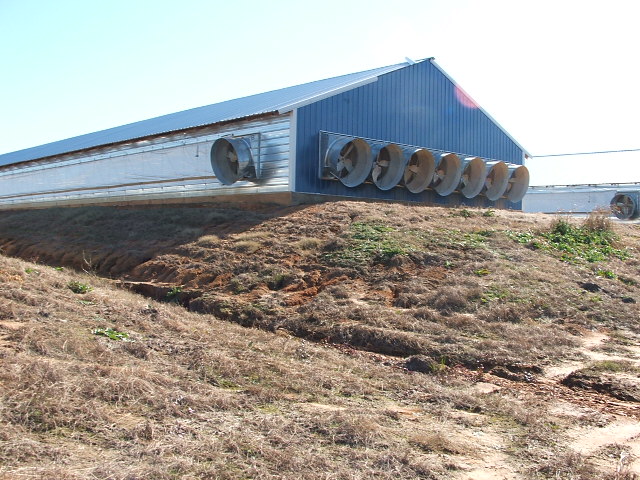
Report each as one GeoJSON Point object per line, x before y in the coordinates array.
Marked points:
{"type": "Point", "coordinates": [560, 76]}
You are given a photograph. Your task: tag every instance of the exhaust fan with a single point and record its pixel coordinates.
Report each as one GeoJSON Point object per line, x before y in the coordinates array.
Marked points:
{"type": "Point", "coordinates": [473, 174]}
{"type": "Point", "coordinates": [448, 173]}
{"type": "Point", "coordinates": [388, 167]}
{"type": "Point", "coordinates": [232, 159]}
{"type": "Point", "coordinates": [518, 183]}
{"type": "Point", "coordinates": [349, 160]}
{"type": "Point", "coordinates": [420, 169]}
{"type": "Point", "coordinates": [497, 180]}
{"type": "Point", "coordinates": [626, 206]}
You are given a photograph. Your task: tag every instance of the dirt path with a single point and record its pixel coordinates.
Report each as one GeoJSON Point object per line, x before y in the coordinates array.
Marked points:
{"type": "Point", "coordinates": [615, 447]}
{"type": "Point", "coordinates": [613, 443]}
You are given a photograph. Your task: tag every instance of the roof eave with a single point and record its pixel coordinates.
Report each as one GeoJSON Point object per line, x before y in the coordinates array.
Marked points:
{"type": "Point", "coordinates": [144, 137]}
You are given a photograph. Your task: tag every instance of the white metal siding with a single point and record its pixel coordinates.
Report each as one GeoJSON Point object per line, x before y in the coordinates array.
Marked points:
{"type": "Point", "coordinates": [176, 166]}
{"type": "Point", "coordinates": [576, 201]}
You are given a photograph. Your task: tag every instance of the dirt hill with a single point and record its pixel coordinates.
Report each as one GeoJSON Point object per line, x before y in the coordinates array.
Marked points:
{"type": "Point", "coordinates": [387, 341]}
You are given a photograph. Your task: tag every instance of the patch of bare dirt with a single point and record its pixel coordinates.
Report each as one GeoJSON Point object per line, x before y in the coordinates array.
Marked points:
{"type": "Point", "coordinates": [621, 386]}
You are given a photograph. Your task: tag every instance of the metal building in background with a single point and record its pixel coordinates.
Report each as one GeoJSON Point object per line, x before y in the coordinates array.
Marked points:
{"type": "Point", "coordinates": [576, 198]}
{"type": "Point", "coordinates": [404, 132]}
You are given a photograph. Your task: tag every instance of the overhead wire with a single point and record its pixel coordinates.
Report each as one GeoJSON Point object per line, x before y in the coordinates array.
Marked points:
{"type": "Point", "coordinates": [586, 153]}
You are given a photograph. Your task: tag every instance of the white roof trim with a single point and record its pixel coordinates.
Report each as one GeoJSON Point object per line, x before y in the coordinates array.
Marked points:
{"type": "Point", "coordinates": [323, 95]}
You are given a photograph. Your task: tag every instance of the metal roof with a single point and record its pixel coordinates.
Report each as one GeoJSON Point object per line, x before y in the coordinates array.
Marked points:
{"type": "Point", "coordinates": [276, 101]}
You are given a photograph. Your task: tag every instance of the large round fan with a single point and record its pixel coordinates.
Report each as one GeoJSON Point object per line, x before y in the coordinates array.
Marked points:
{"type": "Point", "coordinates": [473, 176]}
{"type": "Point", "coordinates": [420, 169]}
{"type": "Point", "coordinates": [518, 183]}
{"type": "Point", "coordinates": [625, 205]}
{"type": "Point", "coordinates": [349, 160]}
{"type": "Point", "coordinates": [497, 180]}
{"type": "Point", "coordinates": [448, 173]}
{"type": "Point", "coordinates": [230, 159]}
{"type": "Point", "coordinates": [388, 167]}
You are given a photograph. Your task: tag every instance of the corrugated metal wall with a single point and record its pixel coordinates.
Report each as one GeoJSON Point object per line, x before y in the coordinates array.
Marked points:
{"type": "Point", "coordinates": [415, 106]}
{"type": "Point", "coordinates": [162, 168]}
{"type": "Point", "coordinates": [577, 200]}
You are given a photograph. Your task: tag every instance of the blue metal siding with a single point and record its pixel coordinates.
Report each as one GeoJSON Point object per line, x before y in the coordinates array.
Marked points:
{"type": "Point", "coordinates": [416, 105]}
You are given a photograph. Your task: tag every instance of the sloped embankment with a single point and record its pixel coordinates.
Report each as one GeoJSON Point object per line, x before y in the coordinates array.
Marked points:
{"type": "Point", "coordinates": [481, 301]}
{"type": "Point", "coordinates": [480, 288]}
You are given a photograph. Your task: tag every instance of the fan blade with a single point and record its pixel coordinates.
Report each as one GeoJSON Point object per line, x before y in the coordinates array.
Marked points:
{"type": "Point", "coordinates": [488, 182]}
{"type": "Point", "coordinates": [413, 168]}
{"type": "Point", "coordinates": [376, 172]}
{"type": "Point", "coordinates": [383, 163]}
{"type": "Point", "coordinates": [348, 164]}
{"type": "Point", "coordinates": [409, 175]}
{"type": "Point", "coordinates": [627, 207]}
{"type": "Point", "coordinates": [349, 150]}
{"type": "Point", "coordinates": [232, 156]}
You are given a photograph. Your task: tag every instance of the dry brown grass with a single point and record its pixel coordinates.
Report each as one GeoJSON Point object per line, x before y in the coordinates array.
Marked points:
{"type": "Point", "coordinates": [327, 396]}
{"type": "Point", "coordinates": [599, 220]}
{"type": "Point", "coordinates": [187, 397]}
{"type": "Point", "coordinates": [208, 241]}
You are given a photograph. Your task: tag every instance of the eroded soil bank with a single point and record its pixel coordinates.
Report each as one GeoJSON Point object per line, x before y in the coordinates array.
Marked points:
{"type": "Point", "coordinates": [503, 304]}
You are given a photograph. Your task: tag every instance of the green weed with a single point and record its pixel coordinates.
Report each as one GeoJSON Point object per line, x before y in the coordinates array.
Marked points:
{"type": "Point", "coordinates": [458, 240]}
{"type": "Point", "coordinates": [575, 244]}
{"type": "Point", "coordinates": [368, 242]}
{"type": "Point", "coordinates": [470, 241]}
{"type": "Point", "coordinates": [494, 293]}
{"type": "Point", "coordinates": [463, 212]}
{"type": "Point", "coordinates": [225, 383]}
{"type": "Point", "coordinates": [581, 243]}
{"type": "Point", "coordinates": [111, 333]}
{"type": "Point", "coordinates": [78, 287]}
{"type": "Point", "coordinates": [172, 295]}
{"type": "Point", "coordinates": [605, 273]}
{"type": "Point", "coordinates": [521, 237]}
{"type": "Point", "coordinates": [439, 367]}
